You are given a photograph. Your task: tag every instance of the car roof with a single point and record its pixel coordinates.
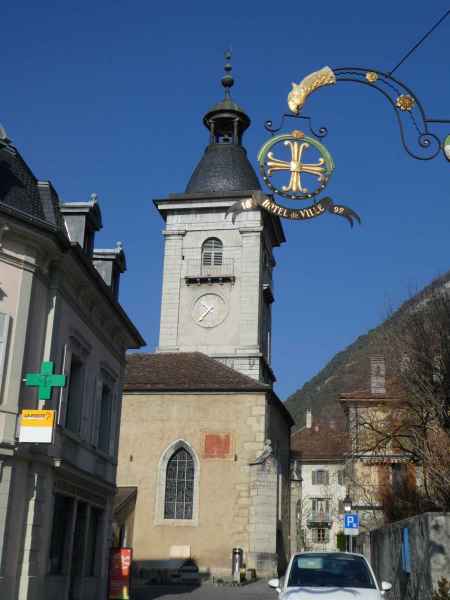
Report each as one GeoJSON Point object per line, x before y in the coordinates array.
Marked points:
{"type": "Point", "coordinates": [328, 552]}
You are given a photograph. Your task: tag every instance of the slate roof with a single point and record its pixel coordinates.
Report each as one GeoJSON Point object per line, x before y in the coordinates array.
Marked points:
{"type": "Point", "coordinates": [184, 371]}
{"type": "Point", "coordinates": [324, 440]}
{"type": "Point", "coordinates": [226, 105]}
{"type": "Point", "coordinates": [18, 186]}
{"type": "Point", "coordinates": [223, 168]}
{"type": "Point", "coordinates": [37, 202]}
{"type": "Point", "coordinates": [23, 194]}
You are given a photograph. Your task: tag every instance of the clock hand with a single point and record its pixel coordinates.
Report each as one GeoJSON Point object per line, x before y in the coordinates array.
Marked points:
{"type": "Point", "coordinates": [210, 309]}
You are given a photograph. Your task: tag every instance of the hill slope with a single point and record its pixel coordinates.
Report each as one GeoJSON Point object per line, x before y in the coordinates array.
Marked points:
{"type": "Point", "coordinates": [348, 370]}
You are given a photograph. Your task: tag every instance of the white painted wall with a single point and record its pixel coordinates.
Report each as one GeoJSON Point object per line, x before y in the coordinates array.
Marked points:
{"type": "Point", "coordinates": [242, 339]}
{"type": "Point", "coordinates": [333, 491]}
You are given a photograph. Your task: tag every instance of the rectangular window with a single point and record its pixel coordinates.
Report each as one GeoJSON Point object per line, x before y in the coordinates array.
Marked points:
{"type": "Point", "coordinates": [93, 540]}
{"type": "Point", "coordinates": [320, 505]}
{"type": "Point", "coordinates": [104, 434]}
{"type": "Point", "coordinates": [320, 535]}
{"type": "Point", "coordinates": [4, 327]}
{"type": "Point", "coordinates": [399, 477]}
{"type": "Point", "coordinates": [79, 539]}
{"type": "Point", "coordinates": [62, 521]}
{"type": "Point", "coordinates": [75, 394]}
{"type": "Point", "coordinates": [340, 477]}
{"type": "Point", "coordinates": [320, 477]}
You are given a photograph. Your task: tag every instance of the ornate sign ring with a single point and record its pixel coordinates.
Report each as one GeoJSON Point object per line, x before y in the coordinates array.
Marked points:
{"type": "Point", "coordinates": [297, 143]}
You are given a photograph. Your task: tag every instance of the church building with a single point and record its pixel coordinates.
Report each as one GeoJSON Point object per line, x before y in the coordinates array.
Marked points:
{"type": "Point", "coordinates": [204, 447]}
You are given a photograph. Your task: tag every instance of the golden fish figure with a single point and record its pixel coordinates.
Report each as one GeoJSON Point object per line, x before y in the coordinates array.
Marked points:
{"type": "Point", "coordinates": [300, 91]}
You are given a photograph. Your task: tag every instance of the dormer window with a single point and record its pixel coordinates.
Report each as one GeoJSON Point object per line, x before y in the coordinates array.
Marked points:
{"type": "Point", "coordinates": [212, 252]}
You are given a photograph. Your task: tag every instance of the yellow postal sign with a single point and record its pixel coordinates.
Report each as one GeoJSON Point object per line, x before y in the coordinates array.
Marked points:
{"type": "Point", "coordinates": [36, 426]}
{"type": "Point", "coordinates": [37, 418]}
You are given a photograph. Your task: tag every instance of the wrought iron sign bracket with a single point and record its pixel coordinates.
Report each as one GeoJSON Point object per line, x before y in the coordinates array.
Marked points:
{"type": "Point", "coordinates": [407, 107]}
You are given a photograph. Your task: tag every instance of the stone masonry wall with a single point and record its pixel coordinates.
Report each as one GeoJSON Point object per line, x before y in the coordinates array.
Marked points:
{"type": "Point", "coordinates": [429, 541]}
{"type": "Point", "coordinates": [263, 517]}
{"type": "Point", "coordinates": [151, 424]}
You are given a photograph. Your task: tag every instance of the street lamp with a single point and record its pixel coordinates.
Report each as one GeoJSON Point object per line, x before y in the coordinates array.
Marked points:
{"type": "Point", "coordinates": [348, 505]}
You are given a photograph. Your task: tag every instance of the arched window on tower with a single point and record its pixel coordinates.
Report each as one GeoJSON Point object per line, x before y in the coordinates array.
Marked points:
{"type": "Point", "coordinates": [179, 492]}
{"type": "Point", "coordinates": [212, 253]}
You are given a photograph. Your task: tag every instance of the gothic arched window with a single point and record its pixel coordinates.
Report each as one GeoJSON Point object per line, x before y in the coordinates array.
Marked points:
{"type": "Point", "coordinates": [179, 492]}
{"type": "Point", "coordinates": [212, 251]}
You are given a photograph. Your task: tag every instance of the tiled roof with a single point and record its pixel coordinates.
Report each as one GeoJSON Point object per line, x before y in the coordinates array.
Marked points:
{"type": "Point", "coordinates": [393, 391]}
{"type": "Point", "coordinates": [184, 371]}
{"type": "Point", "coordinates": [123, 496]}
{"type": "Point", "coordinates": [324, 440]}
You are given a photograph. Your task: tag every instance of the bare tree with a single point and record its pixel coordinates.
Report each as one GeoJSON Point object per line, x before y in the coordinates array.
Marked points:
{"type": "Point", "coordinates": [412, 425]}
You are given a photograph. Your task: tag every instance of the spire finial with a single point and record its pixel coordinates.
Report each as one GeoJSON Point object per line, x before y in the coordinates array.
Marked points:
{"type": "Point", "coordinates": [227, 79]}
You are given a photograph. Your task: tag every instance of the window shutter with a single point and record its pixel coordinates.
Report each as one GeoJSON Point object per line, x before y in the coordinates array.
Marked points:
{"type": "Point", "coordinates": [326, 477]}
{"type": "Point", "coordinates": [113, 422]}
{"type": "Point", "coordinates": [314, 477]}
{"type": "Point", "coordinates": [97, 400]}
{"type": "Point", "coordinates": [212, 252]}
{"type": "Point", "coordinates": [4, 328]}
{"type": "Point", "coordinates": [65, 390]}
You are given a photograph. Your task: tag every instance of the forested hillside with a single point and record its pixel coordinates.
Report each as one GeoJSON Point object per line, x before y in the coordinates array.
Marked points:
{"type": "Point", "coordinates": [348, 370]}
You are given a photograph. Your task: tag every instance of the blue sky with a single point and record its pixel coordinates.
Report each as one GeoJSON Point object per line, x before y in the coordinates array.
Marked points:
{"type": "Point", "coordinates": [108, 97]}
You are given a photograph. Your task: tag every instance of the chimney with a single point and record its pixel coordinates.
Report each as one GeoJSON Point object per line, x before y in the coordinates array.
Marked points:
{"type": "Point", "coordinates": [82, 220]}
{"type": "Point", "coordinates": [110, 264]}
{"type": "Point", "coordinates": [377, 375]}
{"type": "Point", "coordinates": [308, 418]}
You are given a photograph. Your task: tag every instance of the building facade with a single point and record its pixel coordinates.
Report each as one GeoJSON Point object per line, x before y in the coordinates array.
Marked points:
{"type": "Point", "coordinates": [378, 471]}
{"type": "Point", "coordinates": [58, 304]}
{"type": "Point", "coordinates": [210, 410]}
{"type": "Point", "coordinates": [194, 443]}
{"type": "Point", "coordinates": [318, 485]}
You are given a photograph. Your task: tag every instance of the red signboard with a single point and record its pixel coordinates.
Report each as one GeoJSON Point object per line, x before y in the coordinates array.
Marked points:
{"type": "Point", "coordinates": [217, 445]}
{"type": "Point", "coordinates": [120, 573]}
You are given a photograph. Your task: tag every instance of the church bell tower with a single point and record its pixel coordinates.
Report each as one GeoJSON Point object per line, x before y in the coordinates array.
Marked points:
{"type": "Point", "coordinates": [217, 289]}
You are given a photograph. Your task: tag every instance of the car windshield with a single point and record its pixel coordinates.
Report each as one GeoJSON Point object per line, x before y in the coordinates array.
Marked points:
{"type": "Point", "coordinates": [330, 570]}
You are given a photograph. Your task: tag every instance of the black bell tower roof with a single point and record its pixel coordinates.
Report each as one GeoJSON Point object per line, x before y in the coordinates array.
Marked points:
{"type": "Point", "coordinates": [224, 166]}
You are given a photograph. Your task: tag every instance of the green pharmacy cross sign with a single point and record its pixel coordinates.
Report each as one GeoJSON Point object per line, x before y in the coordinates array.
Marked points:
{"type": "Point", "coordinates": [45, 381]}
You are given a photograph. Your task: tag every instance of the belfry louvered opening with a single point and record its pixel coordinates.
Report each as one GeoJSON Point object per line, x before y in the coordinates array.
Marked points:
{"type": "Point", "coordinates": [212, 252]}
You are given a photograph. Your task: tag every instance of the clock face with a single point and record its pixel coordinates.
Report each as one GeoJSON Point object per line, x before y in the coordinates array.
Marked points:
{"type": "Point", "coordinates": [209, 310]}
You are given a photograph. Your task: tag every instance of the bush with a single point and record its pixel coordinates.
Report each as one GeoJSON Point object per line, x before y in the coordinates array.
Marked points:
{"type": "Point", "coordinates": [443, 591]}
{"type": "Point", "coordinates": [341, 541]}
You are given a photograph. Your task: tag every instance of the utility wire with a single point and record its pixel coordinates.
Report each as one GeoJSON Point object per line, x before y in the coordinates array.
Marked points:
{"type": "Point", "coordinates": [444, 16]}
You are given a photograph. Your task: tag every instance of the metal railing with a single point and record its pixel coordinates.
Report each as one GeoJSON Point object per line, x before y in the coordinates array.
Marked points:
{"type": "Point", "coordinates": [319, 517]}
{"type": "Point", "coordinates": [195, 268]}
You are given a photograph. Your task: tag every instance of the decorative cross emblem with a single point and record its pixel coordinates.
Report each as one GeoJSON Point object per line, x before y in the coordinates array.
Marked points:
{"type": "Point", "coordinates": [46, 380]}
{"type": "Point", "coordinates": [296, 166]}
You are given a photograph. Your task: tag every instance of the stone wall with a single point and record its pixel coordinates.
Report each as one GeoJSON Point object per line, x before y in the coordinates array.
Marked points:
{"type": "Point", "coordinates": [263, 517]}
{"type": "Point", "coordinates": [429, 542]}
{"type": "Point", "coordinates": [240, 339]}
{"type": "Point", "coordinates": [226, 512]}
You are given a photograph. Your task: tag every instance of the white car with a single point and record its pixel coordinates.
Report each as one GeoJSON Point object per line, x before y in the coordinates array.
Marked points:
{"type": "Point", "coordinates": [329, 576]}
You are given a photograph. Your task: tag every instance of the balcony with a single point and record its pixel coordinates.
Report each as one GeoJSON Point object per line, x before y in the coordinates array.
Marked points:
{"type": "Point", "coordinates": [319, 519]}
{"type": "Point", "coordinates": [196, 272]}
